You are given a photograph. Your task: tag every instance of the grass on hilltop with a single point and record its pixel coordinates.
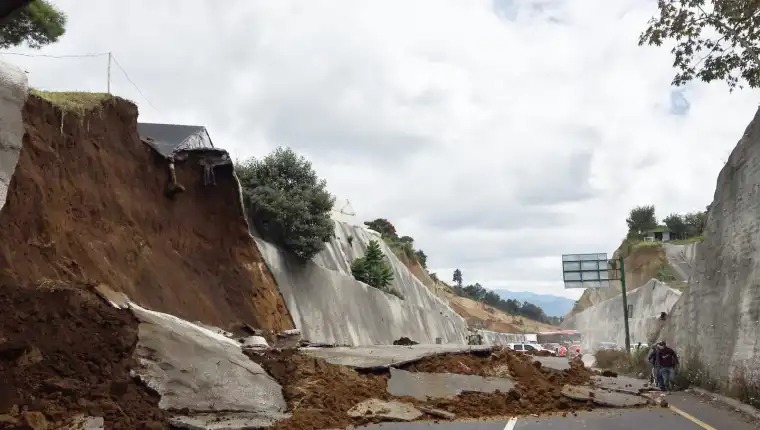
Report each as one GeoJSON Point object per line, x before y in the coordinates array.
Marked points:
{"type": "Point", "coordinates": [76, 103]}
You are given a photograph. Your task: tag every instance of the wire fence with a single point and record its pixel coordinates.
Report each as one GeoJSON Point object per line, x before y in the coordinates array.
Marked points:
{"type": "Point", "coordinates": [111, 59]}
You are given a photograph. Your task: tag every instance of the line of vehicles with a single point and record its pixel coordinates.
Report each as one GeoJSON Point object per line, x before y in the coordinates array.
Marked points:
{"type": "Point", "coordinates": [565, 349]}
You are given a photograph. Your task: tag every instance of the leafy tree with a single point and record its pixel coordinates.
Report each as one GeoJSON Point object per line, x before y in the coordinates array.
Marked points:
{"type": "Point", "coordinates": [421, 258]}
{"type": "Point", "coordinates": [714, 39]}
{"type": "Point", "coordinates": [383, 226]}
{"type": "Point", "coordinates": [676, 225]}
{"type": "Point", "coordinates": [457, 277]}
{"type": "Point", "coordinates": [434, 277]}
{"type": "Point", "coordinates": [476, 291]}
{"type": "Point", "coordinates": [695, 223]}
{"type": "Point", "coordinates": [286, 201]}
{"type": "Point", "coordinates": [373, 269]}
{"type": "Point", "coordinates": [38, 24]}
{"type": "Point", "coordinates": [641, 219]}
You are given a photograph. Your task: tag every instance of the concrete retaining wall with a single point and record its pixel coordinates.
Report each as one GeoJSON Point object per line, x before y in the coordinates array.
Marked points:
{"type": "Point", "coordinates": [13, 90]}
{"type": "Point", "coordinates": [716, 323]}
{"type": "Point", "coordinates": [603, 322]}
{"type": "Point", "coordinates": [330, 306]}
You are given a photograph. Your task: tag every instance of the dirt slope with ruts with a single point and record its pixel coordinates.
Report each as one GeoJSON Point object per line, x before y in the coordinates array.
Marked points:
{"type": "Point", "coordinates": [86, 205]}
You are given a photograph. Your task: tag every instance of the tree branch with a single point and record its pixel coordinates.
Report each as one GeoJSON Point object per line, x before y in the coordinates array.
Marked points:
{"type": "Point", "coordinates": [742, 41]}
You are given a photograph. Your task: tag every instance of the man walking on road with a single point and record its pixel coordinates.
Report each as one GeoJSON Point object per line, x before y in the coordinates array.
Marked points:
{"type": "Point", "coordinates": [655, 377]}
{"type": "Point", "coordinates": [667, 360]}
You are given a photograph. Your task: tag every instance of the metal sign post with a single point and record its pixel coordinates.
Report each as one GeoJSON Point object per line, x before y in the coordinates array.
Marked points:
{"type": "Point", "coordinates": [596, 271]}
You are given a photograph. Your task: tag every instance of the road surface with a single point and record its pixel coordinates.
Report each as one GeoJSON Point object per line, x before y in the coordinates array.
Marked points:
{"type": "Point", "coordinates": [677, 261]}
{"type": "Point", "coordinates": [687, 411]}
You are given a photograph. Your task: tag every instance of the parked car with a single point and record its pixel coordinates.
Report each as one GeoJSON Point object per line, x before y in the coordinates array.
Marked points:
{"type": "Point", "coordinates": [552, 347]}
{"type": "Point", "coordinates": [525, 347]}
{"type": "Point", "coordinates": [611, 346]}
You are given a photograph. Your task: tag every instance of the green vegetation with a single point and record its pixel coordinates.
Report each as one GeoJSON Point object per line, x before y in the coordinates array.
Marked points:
{"type": "Point", "coordinates": [457, 277]}
{"type": "Point", "coordinates": [402, 246]}
{"type": "Point", "coordinates": [374, 269]}
{"type": "Point", "coordinates": [714, 40]}
{"type": "Point", "coordinates": [665, 273]}
{"type": "Point", "coordinates": [37, 24]}
{"type": "Point", "coordinates": [632, 364]}
{"type": "Point", "coordinates": [73, 102]}
{"type": "Point", "coordinates": [695, 239]}
{"type": "Point", "coordinates": [288, 204]}
{"type": "Point", "coordinates": [642, 220]}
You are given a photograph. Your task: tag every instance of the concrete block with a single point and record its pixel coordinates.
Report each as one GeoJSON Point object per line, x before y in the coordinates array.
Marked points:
{"type": "Point", "coordinates": [422, 385]}
{"type": "Point", "coordinates": [387, 410]}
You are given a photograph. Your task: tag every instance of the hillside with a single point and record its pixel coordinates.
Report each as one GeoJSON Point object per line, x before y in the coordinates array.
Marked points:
{"type": "Point", "coordinates": [477, 314]}
{"type": "Point", "coordinates": [553, 306]}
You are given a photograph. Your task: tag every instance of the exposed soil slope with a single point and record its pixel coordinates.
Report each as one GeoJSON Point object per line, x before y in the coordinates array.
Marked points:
{"type": "Point", "coordinates": [64, 352]}
{"type": "Point", "coordinates": [86, 205]}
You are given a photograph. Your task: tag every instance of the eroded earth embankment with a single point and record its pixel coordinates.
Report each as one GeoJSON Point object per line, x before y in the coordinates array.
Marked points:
{"type": "Point", "coordinates": [86, 205]}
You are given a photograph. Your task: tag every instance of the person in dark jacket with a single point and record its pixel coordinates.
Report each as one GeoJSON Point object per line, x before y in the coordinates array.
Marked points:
{"type": "Point", "coordinates": [655, 377]}
{"type": "Point", "coordinates": [667, 359]}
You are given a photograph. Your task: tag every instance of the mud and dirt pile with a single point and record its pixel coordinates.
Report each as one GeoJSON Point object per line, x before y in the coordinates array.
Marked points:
{"type": "Point", "coordinates": [86, 205]}
{"type": "Point", "coordinates": [320, 394]}
{"type": "Point", "coordinates": [63, 352]}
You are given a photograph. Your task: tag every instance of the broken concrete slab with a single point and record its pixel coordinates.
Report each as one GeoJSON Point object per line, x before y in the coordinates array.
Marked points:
{"type": "Point", "coordinates": [439, 413]}
{"type": "Point", "coordinates": [422, 385]}
{"type": "Point", "coordinates": [387, 410]}
{"type": "Point", "coordinates": [579, 393]}
{"type": "Point", "coordinates": [617, 399]}
{"type": "Point", "coordinates": [384, 356]}
{"type": "Point", "coordinates": [84, 422]}
{"type": "Point", "coordinates": [603, 397]}
{"type": "Point", "coordinates": [621, 383]}
{"type": "Point", "coordinates": [197, 369]}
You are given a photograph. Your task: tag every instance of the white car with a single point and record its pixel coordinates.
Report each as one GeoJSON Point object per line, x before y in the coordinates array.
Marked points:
{"type": "Point", "coordinates": [525, 347]}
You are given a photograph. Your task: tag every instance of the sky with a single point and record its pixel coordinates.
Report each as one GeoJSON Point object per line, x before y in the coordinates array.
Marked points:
{"type": "Point", "coordinates": [499, 134]}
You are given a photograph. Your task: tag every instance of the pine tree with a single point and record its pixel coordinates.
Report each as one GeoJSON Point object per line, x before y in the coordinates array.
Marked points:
{"type": "Point", "coordinates": [373, 269]}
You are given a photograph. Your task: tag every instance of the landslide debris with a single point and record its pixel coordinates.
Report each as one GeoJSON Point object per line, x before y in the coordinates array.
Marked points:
{"type": "Point", "coordinates": [86, 205]}
{"type": "Point", "coordinates": [319, 394]}
{"type": "Point", "coordinates": [64, 352]}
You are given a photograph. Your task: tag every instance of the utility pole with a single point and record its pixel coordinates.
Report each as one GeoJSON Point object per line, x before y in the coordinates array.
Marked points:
{"type": "Point", "coordinates": [625, 305]}
{"type": "Point", "coordinates": [109, 72]}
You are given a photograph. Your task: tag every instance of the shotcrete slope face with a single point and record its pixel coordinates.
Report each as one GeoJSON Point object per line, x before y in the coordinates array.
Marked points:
{"type": "Point", "coordinates": [716, 323]}
{"type": "Point", "coordinates": [12, 96]}
{"type": "Point", "coordinates": [603, 322]}
{"type": "Point", "coordinates": [330, 306]}
{"type": "Point", "coordinates": [87, 203]}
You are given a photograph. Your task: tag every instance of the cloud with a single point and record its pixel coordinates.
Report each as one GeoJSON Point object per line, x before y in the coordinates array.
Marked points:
{"type": "Point", "coordinates": [498, 133]}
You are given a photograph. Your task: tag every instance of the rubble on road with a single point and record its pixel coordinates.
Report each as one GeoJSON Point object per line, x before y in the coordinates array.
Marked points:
{"type": "Point", "coordinates": [64, 353]}
{"type": "Point", "coordinates": [603, 397]}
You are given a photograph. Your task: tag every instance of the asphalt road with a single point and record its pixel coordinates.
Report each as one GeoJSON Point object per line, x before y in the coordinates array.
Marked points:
{"type": "Point", "coordinates": [686, 412]}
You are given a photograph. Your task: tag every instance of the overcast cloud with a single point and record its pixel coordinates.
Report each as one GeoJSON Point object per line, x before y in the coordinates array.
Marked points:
{"type": "Point", "coordinates": [498, 133]}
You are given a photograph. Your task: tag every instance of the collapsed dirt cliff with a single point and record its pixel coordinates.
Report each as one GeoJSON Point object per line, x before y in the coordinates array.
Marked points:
{"type": "Point", "coordinates": [86, 205]}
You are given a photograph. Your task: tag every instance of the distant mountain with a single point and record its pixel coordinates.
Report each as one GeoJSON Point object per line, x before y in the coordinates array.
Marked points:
{"type": "Point", "coordinates": [553, 306]}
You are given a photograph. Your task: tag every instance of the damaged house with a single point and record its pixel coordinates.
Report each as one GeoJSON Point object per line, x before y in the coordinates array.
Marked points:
{"type": "Point", "coordinates": [183, 144]}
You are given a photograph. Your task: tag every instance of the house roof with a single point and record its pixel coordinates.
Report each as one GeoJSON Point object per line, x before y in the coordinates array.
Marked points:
{"type": "Point", "coordinates": [168, 139]}
{"type": "Point", "coordinates": [658, 229]}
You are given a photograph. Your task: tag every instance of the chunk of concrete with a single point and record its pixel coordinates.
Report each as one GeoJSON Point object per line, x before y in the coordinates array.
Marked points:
{"type": "Point", "coordinates": [579, 393]}
{"type": "Point", "coordinates": [438, 413]}
{"type": "Point", "coordinates": [196, 369]}
{"type": "Point", "coordinates": [623, 384]}
{"type": "Point", "coordinates": [603, 397]}
{"type": "Point", "coordinates": [422, 385]}
{"type": "Point", "coordinates": [384, 356]}
{"type": "Point", "coordinates": [387, 410]}
{"type": "Point", "coordinates": [84, 422]}
{"type": "Point", "coordinates": [617, 399]}
{"type": "Point", "coordinates": [556, 363]}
